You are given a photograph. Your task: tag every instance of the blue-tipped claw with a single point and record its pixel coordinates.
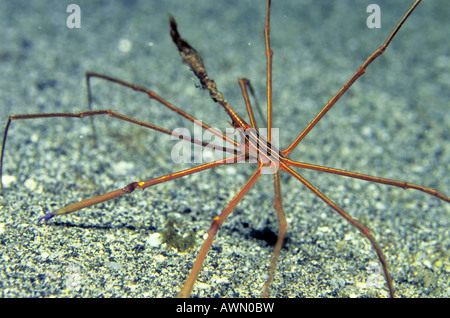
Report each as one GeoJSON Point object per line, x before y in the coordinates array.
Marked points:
{"type": "Point", "coordinates": [46, 217]}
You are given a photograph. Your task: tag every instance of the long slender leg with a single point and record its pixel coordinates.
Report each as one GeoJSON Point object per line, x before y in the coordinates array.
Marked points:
{"type": "Point", "coordinates": [269, 55]}
{"type": "Point", "coordinates": [401, 184]}
{"type": "Point", "coordinates": [364, 230]}
{"type": "Point", "coordinates": [278, 204]}
{"type": "Point", "coordinates": [282, 229]}
{"type": "Point", "coordinates": [137, 185]}
{"type": "Point", "coordinates": [216, 223]}
{"type": "Point", "coordinates": [246, 84]}
{"type": "Point", "coordinates": [152, 95]}
{"type": "Point", "coordinates": [358, 73]}
{"type": "Point", "coordinates": [278, 199]}
{"type": "Point", "coordinates": [109, 113]}
{"type": "Point", "coordinates": [243, 82]}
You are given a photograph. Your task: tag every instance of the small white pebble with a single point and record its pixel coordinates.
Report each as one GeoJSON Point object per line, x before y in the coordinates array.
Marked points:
{"type": "Point", "coordinates": [160, 258]}
{"type": "Point", "coordinates": [230, 171]}
{"type": "Point", "coordinates": [8, 180]}
{"type": "Point", "coordinates": [6, 258]}
{"type": "Point", "coordinates": [123, 167]}
{"type": "Point", "coordinates": [380, 206]}
{"type": "Point", "coordinates": [427, 264]}
{"type": "Point", "coordinates": [113, 266]}
{"type": "Point", "coordinates": [125, 45]}
{"type": "Point", "coordinates": [349, 237]}
{"type": "Point", "coordinates": [323, 229]}
{"type": "Point", "coordinates": [223, 281]}
{"type": "Point", "coordinates": [34, 138]}
{"type": "Point", "coordinates": [202, 286]}
{"type": "Point", "coordinates": [361, 285]}
{"type": "Point", "coordinates": [30, 184]}
{"type": "Point", "coordinates": [44, 256]}
{"type": "Point", "coordinates": [154, 240]}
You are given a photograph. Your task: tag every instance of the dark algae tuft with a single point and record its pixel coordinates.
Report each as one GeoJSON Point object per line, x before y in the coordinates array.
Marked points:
{"type": "Point", "coordinates": [172, 236]}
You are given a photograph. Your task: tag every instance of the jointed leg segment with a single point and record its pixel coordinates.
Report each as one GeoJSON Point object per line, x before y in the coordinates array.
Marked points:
{"type": "Point", "coordinates": [400, 184]}
{"type": "Point", "coordinates": [217, 222]}
{"type": "Point", "coordinates": [358, 73]}
{"type": "Point", "coordinates": [137, 185]}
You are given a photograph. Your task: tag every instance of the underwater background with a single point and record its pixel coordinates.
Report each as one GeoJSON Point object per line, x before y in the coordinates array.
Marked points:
{"type": "Point", "coordinates": [394, 123]}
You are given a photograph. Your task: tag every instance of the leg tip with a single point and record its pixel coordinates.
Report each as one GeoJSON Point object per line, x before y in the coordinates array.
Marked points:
{"type": "Point", "coordinates": [46, 217]}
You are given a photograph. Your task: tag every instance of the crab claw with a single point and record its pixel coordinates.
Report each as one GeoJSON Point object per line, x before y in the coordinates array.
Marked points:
{"type": "Point", "coordinates": [46, 217]}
